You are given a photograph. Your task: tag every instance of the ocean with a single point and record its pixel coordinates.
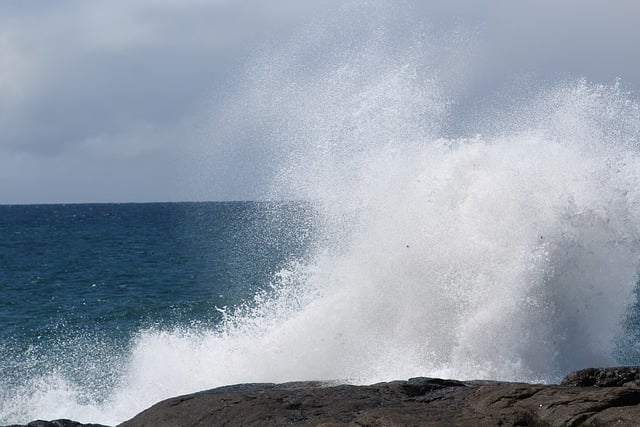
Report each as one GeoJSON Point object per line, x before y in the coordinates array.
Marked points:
{"type": "Point", "coordinates": [82, 284]}
{"type": "Point", "coordinates": [107, 308]}
{"type": "Point", "coordinates": [431, 231]}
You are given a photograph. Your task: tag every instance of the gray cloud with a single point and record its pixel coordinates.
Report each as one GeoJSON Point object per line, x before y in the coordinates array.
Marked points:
{"type": "Point", "coordinates": [112, 100]}
{"type": "Point", "coordinates": [95, 97]}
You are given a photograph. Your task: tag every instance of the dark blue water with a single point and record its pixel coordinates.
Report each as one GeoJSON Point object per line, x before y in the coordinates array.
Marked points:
{"type": "Point", "coordinates": [72, 273]}
{"type": "Point", "coordinates": [108, 308]}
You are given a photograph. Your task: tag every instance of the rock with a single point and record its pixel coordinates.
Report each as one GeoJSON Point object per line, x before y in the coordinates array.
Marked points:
{"type": "Point", "coordinates": [591, 397]}
{"type": "Point", "coordinates": [605, 377]}
{"type": "Point", "coordinates": [58, 423]}
{"type": "Point", "coordinates": [558, 405]}
{"type": "Point", "coordinates": [310, 404]}
{"type": "Point", "coordinates": [418, 401]}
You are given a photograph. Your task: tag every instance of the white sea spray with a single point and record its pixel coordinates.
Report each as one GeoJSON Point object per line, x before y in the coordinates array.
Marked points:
{"type": "Point", "coordinates": [508, 250]}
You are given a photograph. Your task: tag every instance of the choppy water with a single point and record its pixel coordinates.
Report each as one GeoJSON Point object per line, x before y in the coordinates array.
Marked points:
{"type": "Point", "coordinates": [438, 237]}
{"type": "Point", "coordinates": [81, 284]}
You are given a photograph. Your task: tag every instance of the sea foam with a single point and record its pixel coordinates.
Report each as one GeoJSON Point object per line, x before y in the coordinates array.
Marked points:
{"type": "Point", "coordinates": [507, 249]}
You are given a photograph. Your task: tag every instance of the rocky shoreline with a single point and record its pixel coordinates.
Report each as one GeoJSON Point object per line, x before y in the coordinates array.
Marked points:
{"type": "Point", "coordinates": [591, 397]}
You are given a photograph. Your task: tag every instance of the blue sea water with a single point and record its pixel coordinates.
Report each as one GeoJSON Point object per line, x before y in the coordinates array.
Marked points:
{"type": "Point", "coordinates": [79, 281]}
{"type": "Point", "coordinates": [107, 308]}
{"type": "Point", "coordinates": [114, 268]}
{"type": "Point", "coordinates": [497, 241]}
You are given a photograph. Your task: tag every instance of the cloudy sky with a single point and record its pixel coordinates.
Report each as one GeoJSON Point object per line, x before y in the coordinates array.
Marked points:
{"type": "Point", "coordinates": [106, 100]}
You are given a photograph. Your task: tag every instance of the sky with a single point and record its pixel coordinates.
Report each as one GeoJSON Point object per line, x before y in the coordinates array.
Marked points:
{"type": "Point", "coordinates": [124, 101]}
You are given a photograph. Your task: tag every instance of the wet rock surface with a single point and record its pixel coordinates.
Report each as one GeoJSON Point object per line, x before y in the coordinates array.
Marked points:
{"type": "Point", "coordinates": [592, 397]}
{"type": "Point", "coordinates": [604, 377]}
{"type": "Point", "coordinates": [58, 423]}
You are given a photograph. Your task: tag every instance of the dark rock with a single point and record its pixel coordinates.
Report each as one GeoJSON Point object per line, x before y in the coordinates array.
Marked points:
{"type": "Point", "coordinates": [418, 401]}
{"type": "Point", "coordinates": [58, 423]}
{"type": "Point", "coordinates": [421, 386]}
{"type": "Point", "coordinates": [592, 397]}
{"type": "Point", "coordinates": [604, 377]}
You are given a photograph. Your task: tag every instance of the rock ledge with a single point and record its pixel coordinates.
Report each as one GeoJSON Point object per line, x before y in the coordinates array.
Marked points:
{"type": "Point", "coordinates": [591, 397]}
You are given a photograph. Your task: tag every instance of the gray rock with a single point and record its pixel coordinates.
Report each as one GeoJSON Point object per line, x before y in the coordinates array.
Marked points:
{"type": "Point", "coordinates": [591, 397]}
{"type": "Point", "coordinates": [418, 402]}
{"type": "Point", "coordinates": [605, 377]}
{"type": "Point", "coordinates": [58, 423]}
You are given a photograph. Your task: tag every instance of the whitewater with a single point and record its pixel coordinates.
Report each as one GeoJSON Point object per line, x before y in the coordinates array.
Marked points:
{"type": "Point", "coordinates": [506, 247]}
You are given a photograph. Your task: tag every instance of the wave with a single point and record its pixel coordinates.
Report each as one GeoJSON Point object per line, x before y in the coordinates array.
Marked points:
{"type": "Point", "coordinates": [507, 248]}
